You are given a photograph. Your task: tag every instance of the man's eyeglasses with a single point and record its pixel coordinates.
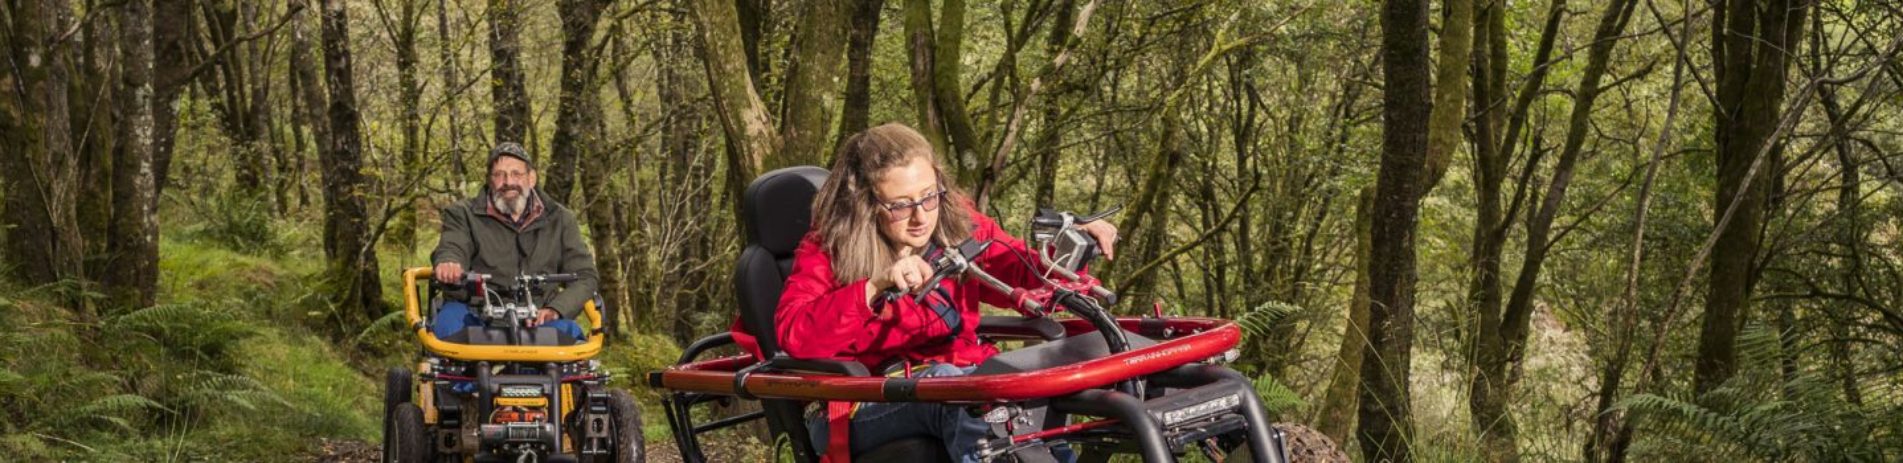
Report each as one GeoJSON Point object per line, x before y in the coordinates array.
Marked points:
{"type": "Point", "coordinates": [903, 210]}
{"type": "Point", "coordinates": [501, 175]}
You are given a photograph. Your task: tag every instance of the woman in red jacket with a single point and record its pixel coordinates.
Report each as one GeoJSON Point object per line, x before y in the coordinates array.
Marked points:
{"type": "Point", "coordinates": [885, 209]}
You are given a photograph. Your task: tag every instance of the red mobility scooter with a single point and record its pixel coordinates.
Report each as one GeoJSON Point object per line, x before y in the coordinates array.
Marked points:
{"type": "Point", "coordinates": [1093, 383]}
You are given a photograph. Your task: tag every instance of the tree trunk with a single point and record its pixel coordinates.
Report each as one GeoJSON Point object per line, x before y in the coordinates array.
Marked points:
{"type": "Point", "coordinates": [506, 86]}
{"type": "Point", "coordinates": [171, 29]}
{"type": "Point", "coordinates": [1490, 226]}
{"type": "Point", "coordinates": [1501, 343]}
{"type": "Point", "coordinates": [812, 83]}
{"type": "Point", "coordinates": [1337, 414]}
{"type": "Point", "coordinates": [457, 159]}
{"type": "Point", "coordinates": [578, 130]}
{"type": "Point", "coordinates": [857, 109]}
{"type": "Point", "coordinates": [948, 91]}
{"type": "Point", "coordinates": [1450, 89]}
{"type": "Point", "coordinates": [304, 73]}
{"type": "Point", "coordinates": [743, 117]}
{"type": "Point", "coordinates": [353, 262]}
{"type": "Point", "coordinates": [94, 109]}
{"type": "Point", "coordinates": [43, 243]}
{"type": "Point", "coordinates": [680, 127]}
{"type": "Point", "coordinates": [1750, 43]}
{"type": "Point", "coordinates": [410, 102]}
{"type": "Point", "coordinates": [134, 236]}
{"type": "Point", "coordinates": [1386, 422]}
{"type": "Point", "coordinates": [1050, 134]}
{"type": "Point", "coordinates": [919, 44]}
{"type": "Point", "coordinates": [578, 109]}
{"type": "Point", "coordinates": [754, 26]}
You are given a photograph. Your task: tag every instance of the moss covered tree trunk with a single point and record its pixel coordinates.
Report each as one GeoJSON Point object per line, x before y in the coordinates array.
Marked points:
{"type": "Point", "coordinates": [358, 293]}
{"type": "Point", "coordinates": [858, 104]}
{"type": "Point", "coordinates": [41, 193]}
{"type": "Point", "coordinates": [1385, 422]}
{"type": "Point", "coordinates": [133, 239]}
{"type": "Point", "coordinates": [813, 83]}
{"type": "Point", "coordinates": [1751, 47]}
{"type": "Point", "coordinates": [507, 88]}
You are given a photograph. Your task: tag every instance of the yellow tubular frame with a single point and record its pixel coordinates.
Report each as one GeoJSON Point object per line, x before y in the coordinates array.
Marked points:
{"type": "Point", "coordinates": [413, 312]}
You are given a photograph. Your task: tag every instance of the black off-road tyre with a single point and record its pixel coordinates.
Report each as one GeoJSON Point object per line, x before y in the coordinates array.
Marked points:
{"type": "Point", "coordinates": [407, 441]}
{"type": "Point", "coordinates": [626, 421]}
{"type": "Point", "coordinates": [1303, 444]}
{"type": "Point", "coordinates": [1306, 445]}
{"type": "Point", "coordinates": [396, 391]}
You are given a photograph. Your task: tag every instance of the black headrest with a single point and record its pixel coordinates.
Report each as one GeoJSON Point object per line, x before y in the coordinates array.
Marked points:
{"type": "Point", "coordinates": [778, 207]}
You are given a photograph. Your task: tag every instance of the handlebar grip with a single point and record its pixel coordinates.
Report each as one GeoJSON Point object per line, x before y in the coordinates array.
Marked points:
{"type": "Point", "coordinates": [559, 278]}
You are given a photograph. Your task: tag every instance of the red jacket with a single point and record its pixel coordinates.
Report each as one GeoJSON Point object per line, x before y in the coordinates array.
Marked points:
{"type": "Point", "coordinates": [820, 319]}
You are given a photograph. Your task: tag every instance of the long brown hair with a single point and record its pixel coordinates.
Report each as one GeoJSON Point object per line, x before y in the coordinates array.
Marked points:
{"type": "Point", "coordinates": [846, 212]}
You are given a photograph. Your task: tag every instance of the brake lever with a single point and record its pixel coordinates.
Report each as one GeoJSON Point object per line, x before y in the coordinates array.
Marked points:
{"type": "Point", "coordinates": [1113, 210]}
{"type": "Point", "coordinates": [951, 263]}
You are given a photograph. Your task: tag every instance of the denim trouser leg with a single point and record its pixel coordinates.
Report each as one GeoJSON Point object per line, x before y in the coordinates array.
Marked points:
{"type": "Point", "coordinates": [878, 423]}
{"type": "Point", "coordinates": [453, 316]}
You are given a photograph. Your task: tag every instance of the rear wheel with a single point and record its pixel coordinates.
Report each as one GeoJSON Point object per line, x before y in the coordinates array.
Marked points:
{"type": "Point", "coordinates": [406, 439]}
{"type": "Point", "coordinates": [626, 420]}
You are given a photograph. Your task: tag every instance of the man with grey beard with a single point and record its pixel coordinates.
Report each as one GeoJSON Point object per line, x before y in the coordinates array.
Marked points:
{"type": "Point", "coordinates": [511, 229]}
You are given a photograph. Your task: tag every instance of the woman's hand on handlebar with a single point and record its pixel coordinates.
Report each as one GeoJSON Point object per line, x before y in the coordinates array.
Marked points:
{"type": "Point", "coordinates": [907, 274]}
{"type": "Point", "coordinates": [449, 273]}
{"type": "Point", "coordinates": [1106, 235]}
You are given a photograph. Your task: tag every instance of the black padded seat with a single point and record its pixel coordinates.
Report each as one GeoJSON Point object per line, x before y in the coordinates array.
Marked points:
{"type": "Point", "coordinates": [778, 210]}
{"type": "Point", "coordinates": [1055, 353]}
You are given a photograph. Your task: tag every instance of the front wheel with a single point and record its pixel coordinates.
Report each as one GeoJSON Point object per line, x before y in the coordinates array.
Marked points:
{"type": "Point", "coordinates": [407, 440]}
{"type": "Point", "coordinates": [625, 418]}
{"type": "Point", "coordinates": [1302, 443]}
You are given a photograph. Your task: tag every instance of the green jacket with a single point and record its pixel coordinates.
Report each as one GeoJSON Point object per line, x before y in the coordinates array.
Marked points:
{"type": "Point", "coordinates": [485, 241]}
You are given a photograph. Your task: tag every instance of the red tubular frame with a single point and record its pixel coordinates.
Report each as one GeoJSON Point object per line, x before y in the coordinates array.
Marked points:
{"type": "Point", "coordinates": [1202, 338]}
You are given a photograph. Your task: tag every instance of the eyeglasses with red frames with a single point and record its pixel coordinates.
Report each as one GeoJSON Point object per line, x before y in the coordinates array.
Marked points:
{"type": "Point", "coordinates": [902, 210]}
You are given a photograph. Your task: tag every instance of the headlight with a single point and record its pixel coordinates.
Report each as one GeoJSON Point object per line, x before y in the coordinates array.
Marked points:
{"type": "Point", "coordinates": [1199, 410]}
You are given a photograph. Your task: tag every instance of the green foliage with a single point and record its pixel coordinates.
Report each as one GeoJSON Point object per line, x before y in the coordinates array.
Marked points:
{"type": "Point", "coordinates": [198, 331]}
{"type": "Point", "coordinates": [236, 220]}
{"type": "Point", "coordinates": [1259, 322]}
{"type": "Point", "coordinates": [1767, 417]}
{"type": "Point", "coordinates": [1277, 397]}
{"type": "Point", "coordinates": [182, 380]}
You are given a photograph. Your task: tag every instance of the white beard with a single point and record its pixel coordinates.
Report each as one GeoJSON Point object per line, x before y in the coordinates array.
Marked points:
{"type": "Point", "coordinates": [512, 208]}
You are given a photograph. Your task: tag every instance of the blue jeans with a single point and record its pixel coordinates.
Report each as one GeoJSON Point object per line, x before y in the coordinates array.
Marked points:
{"type": "Point", "coordinates": [455, 315]}
{"type": "Point", "coordinates": [877, 423]}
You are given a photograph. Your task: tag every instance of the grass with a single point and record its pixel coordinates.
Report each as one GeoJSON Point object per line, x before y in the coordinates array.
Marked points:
{"type": "Point", "coordinates": [221, 370]}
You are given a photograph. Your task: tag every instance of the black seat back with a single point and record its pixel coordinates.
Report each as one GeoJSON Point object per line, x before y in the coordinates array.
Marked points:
{"type": "Point", "coordinates": [777, 209]}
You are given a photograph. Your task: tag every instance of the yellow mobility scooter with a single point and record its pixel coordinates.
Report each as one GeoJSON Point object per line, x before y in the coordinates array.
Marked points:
{"type": "Point", "coordinates": [501, 391]}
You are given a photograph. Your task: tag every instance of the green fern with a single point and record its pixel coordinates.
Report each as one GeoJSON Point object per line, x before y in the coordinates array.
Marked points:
{"type": "Point", "coordinates": [1277, 397]}
{"type": "Point", "coordinates": [1762, 415]}
{"type": "Point", "coordinates": [1259, 321]}
{"type": "Point", "coordinates": [203, 331]}
{"type": "Point", "coordinates": [207, 390]}
{"type": "Point", "coordinates": [115, 409]}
